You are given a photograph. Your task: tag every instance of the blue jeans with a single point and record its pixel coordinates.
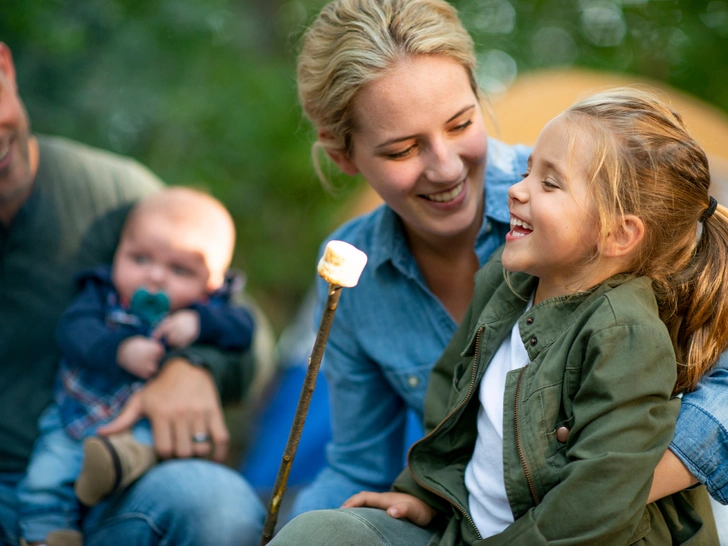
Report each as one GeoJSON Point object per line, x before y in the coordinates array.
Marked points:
{"type": "Point", "coordinates": [351, 527]}
{"type": "Point", "coordinates": [46, 500]}
{"type": "Point", "coordinates": [178, 502]}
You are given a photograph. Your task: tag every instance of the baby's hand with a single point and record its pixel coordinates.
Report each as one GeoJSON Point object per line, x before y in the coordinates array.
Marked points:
{"type": "Point", "coordinates": [140, 356]}
{"type": "Point", "coordinates": [179, 329]}
{"type": "Point", "coordinates": [397, 505]}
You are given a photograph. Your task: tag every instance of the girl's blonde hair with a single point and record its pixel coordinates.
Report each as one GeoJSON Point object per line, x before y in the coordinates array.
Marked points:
{"type": "Point", "coordinates": [647, 164]}
{"type": "Point", "coordinates": [352, 42]}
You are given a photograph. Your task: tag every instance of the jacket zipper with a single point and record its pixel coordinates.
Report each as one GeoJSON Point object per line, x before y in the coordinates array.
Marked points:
{"type": "Point", "coordinates": [519, 447]}
{"type": "Point", "coordinates": [460, 509]}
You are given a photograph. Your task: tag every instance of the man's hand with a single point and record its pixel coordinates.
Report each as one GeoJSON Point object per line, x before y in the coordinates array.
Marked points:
{"type": "Point", "coordinates": [397, 505]}
{"type": "Point", "coordinates": [140, 356]}
{"type": "Point", "coordinates": [181, 402]}
{"type": "Point", "coordinates": [179, 329]}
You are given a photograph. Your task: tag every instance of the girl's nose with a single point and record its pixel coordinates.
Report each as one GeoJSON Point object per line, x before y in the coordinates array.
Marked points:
{"type": "Point", "coordinates": [444, 163]}
{"type": "Point", "coordinates": [518, 191]}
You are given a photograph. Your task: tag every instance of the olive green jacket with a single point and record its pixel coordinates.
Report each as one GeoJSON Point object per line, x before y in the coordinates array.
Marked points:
{"type": "Point", "coordinates": [601, 371]}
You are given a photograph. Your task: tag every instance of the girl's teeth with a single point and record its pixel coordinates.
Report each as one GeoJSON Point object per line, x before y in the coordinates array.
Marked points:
{"type": "Point", "coordinates": [517, 222]}
{"type": "Point", "coordinates": [448, 195]}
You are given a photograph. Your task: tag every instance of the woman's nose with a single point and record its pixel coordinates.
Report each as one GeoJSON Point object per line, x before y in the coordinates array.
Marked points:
{"type": "Point", "coordinates": [444, 163]}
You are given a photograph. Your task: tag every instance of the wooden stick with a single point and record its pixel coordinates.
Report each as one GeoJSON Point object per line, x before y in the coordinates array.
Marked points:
{"type": "Point", "coordinates": [304, 401]}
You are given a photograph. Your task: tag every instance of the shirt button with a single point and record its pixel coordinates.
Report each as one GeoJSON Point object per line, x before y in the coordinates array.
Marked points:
{"type": "Point", "coordinates": [562, 434]}
{"type": "Point", "coordinates": [488, 227]}
{"type": "Point", "coordinates": [533, 341]}
{"type": "Point", "coordinates": [529, 320]}
{"type": "Point", "coordinates": [413, 381]}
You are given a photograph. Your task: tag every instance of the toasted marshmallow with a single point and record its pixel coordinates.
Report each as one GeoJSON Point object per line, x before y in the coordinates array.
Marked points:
{"type": "Point", "coordinates": [341, 264]}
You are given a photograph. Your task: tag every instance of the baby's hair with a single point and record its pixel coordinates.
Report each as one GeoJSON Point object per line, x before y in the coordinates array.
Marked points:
{"type": "Point", "coordinates": [647, 164]}
{"type": "Point", "coordinates": [352, 42]}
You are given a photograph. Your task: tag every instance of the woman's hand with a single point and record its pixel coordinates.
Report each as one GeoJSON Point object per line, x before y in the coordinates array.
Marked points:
{"type": "Point", "coordinates": [397, 505]}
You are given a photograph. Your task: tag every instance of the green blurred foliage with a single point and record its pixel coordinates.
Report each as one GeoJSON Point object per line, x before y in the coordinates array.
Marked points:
{"type": "Point", "coordinates": [203, 92]}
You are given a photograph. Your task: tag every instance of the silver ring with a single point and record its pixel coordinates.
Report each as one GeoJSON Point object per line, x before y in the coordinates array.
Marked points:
{"type": "Point", "coordinates": [200, 438]}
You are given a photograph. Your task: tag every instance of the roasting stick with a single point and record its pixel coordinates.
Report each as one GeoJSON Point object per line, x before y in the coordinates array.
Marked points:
{"type": "Point", "coordinates": [341, 266]}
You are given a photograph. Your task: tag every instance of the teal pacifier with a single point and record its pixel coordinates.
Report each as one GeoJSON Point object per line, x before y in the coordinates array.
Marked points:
{"type": "Point", "coordinates": [150, 308]}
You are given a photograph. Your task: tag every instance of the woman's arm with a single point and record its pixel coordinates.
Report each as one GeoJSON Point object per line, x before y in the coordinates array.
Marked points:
{"type": "Point", "coordinates": [699, 450]}
{"type": "Point", "coordinates": [671, 476]}
{"type": "Point", "coordinates": [368, 421]}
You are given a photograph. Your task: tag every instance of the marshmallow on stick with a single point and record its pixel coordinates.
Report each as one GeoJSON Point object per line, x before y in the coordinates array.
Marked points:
{"type": "Point", "coordinates": [341, 264]}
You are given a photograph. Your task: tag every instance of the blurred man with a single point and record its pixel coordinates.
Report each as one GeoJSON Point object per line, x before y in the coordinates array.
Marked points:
{"type": "Point", "coordinates": [62, 206]}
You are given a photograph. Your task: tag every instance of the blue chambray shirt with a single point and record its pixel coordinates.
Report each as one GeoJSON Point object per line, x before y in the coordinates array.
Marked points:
{"type": "Point", "coordinates": [701, 438]}
{"type": "Point", "coordinates": [387, 334]}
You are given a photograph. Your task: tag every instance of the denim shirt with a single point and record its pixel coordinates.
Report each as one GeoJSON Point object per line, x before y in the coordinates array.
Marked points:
{"type": "Point", "coordinates": [387, 334]}
{"type": "Point", "coordinates": [701, 438]}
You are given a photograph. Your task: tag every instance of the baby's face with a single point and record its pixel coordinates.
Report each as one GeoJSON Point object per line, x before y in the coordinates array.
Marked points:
{"type": "Point", "coordinates": [160, 257]}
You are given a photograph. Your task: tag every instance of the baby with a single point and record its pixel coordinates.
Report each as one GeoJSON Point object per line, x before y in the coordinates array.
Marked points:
{"type": "Point", "coordinates": [167, 288]}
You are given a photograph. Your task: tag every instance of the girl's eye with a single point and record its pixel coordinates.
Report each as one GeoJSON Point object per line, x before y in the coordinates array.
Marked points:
{"type": "Point", "coordinates": [549, 185]}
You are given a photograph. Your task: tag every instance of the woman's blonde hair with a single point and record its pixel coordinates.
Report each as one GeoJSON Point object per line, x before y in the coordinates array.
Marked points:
{"type": "Point", "coordinates": [647, 164]}
{"type": "Point", "coordinates": [352, 42]}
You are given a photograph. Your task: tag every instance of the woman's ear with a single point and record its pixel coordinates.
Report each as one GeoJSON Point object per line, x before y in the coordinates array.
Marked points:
{"type": "Point", "coordinates": [626, 237]}
{"type": "Point", "coordinates": [340, 157]}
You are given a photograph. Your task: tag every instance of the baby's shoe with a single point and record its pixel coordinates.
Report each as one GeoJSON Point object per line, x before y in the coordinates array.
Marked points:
{"type": "Point", "coordinates": [64, 537]}
{"type": "Point", "coordinates": [111, 463]}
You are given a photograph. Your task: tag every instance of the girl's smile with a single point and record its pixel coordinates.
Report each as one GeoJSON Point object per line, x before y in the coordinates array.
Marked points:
{"type": "Point", "coordinates": [554, 230]}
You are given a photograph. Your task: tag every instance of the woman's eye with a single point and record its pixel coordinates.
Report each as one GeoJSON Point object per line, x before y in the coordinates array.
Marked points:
{"type": "Point", "coordinates": [400, 155]}
{"type": "Point", "coordinates": [463, 126]}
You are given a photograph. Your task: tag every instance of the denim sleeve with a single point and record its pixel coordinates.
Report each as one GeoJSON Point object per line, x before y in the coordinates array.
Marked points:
{"type": "Point", "coordinates": [701, 439]}
{"type": "Point", "coordinates": [368, 421]}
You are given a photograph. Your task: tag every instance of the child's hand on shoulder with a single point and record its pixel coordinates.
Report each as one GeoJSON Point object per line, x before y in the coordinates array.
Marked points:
{"type": "Point", "coordinates": [397, 505]}
{"type": "Point", "coordinates": [140, 356]}
{"type": "Point", "coordinates": [179, 329]}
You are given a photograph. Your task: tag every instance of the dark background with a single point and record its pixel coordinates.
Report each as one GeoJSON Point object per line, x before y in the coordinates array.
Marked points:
{"type": "Point", "coordinates": [203, 92]}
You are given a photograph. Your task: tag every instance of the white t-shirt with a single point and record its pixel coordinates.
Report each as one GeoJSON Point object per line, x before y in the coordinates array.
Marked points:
{"type": "Point", "coordinates": [484, 480]}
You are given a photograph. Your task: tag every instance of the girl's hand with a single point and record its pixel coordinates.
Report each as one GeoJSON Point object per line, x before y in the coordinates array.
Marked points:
{"type": "Point", "coordinates": [140, 356]}
{"type": "Point", "coordinates": [397, 505]}
{"type": "Point", "coordinates": [179, 329]}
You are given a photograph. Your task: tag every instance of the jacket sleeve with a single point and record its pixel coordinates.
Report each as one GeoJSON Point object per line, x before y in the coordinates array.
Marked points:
{"type": "Point", "coordinates": [623, 419]}
{"type": "Point", "coordinates": [229, 327]}
{"type": "Point", "coordinates": [82, 335]}
{"type": "Point", "coordinates": [701, 435]}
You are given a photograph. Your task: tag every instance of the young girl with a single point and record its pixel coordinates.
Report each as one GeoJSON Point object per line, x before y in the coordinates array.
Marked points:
{"type": "Point", "coordinates": [551, 406]}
